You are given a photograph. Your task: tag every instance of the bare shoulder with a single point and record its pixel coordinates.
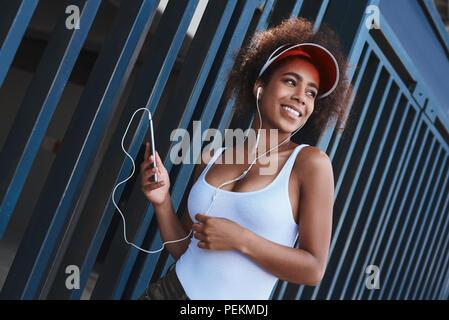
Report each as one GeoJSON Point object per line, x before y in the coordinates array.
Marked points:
{"type": "Point", "coordinates": [312, 154]}
{"type": "Point", "coordinates": [206, 157]}
{"type": "Point", "coordinates": [310, 159]}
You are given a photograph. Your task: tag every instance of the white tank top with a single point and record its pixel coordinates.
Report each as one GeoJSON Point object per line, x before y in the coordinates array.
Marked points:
{"type": "Point", "coordinates": [230, 275]}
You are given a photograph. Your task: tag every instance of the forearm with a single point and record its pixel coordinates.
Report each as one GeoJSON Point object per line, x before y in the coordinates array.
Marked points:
{"type": "Point", "coordinates": [171, 228]}
{"type": "Point", "coordinates": [288, 264]}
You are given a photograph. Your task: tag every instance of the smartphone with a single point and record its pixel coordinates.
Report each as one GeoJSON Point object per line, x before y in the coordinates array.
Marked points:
{"type": "Point", "coordinates": [154, 178]}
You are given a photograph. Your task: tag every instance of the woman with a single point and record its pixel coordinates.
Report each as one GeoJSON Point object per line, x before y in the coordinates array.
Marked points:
{"type": "Point", "coordinates": [289, 75]}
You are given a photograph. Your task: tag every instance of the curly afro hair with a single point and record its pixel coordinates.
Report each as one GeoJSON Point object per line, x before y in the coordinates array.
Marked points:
{"type": "Point", "coordinates": [250, 59]}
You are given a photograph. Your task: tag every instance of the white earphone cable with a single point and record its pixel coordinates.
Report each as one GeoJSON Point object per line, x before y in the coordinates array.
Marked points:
{"type": "Point", "coordinates": [216, 191]}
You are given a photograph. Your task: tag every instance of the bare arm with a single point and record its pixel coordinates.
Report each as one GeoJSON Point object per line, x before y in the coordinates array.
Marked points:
{"type": "Point", "coordinates": [307, 264]}
{"type": "Point", "coordinates": [303, 265]}
{"type": "Point", "coordinates": [170, 226]}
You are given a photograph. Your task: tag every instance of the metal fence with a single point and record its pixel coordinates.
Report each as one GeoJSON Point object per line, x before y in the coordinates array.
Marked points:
{"type": "Point", "coordinates": [390, 165]}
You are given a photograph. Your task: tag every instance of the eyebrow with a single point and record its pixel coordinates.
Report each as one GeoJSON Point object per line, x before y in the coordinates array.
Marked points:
{"type": "Point", "coordinates": [299, 78]}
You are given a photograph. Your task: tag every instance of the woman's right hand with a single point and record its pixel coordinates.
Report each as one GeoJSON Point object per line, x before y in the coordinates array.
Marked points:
{"type": "Point", "coordinates": [156, 193]}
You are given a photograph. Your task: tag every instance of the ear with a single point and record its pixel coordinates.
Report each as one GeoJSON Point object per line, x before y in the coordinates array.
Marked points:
{"type": "Point", "coordinates": [257, 84]}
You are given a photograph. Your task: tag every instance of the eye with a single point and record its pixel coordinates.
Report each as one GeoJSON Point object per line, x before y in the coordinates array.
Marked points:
{"type": "Point", "coordinates": [313, 93]}
{"type": "Point", "coordinates": [291, 80]}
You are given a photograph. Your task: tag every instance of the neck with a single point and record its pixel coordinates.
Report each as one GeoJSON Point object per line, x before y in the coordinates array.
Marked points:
{"type": "Point", "coordinates": [267, 140]}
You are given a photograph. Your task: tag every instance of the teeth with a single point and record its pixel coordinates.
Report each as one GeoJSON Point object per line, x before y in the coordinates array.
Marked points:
{"type": "Point", "coordinates": [296, 113]}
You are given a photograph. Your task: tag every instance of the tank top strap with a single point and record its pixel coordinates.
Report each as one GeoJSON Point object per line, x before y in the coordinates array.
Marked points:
{"type": "Point", "coordinates": [288, 166]}
{"type": "Point", "coordinates": [214, 158]}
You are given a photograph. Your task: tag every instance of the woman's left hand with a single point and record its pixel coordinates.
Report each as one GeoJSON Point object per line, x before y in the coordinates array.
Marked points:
{"type": "Point", "coordinates": [217, 233]}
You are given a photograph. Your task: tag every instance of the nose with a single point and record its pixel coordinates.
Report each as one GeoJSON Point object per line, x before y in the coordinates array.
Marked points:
{"type": "Point", "coordinates": [299, 97]}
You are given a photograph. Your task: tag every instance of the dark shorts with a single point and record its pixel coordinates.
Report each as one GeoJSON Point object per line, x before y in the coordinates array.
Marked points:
{"type": "Point", "coordinates": [166, 288]}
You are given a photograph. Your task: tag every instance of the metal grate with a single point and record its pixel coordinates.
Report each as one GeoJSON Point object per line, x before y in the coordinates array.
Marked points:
{"type": "Point", "coordinates": [390, 165]}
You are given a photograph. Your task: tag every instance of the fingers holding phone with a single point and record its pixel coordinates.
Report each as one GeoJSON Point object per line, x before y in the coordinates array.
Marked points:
{"type": "Point", "coordinates": [156, 192]}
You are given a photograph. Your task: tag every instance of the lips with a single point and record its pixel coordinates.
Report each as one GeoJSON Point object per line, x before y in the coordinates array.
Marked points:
{"type": "Point", "coordinates": [294, 111]}
{"type": "Point", "coordinates": [297, 109]}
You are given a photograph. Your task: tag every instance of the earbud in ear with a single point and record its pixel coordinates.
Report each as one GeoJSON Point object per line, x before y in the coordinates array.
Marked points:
{"type": "Point", "coordinates": [258, 91]}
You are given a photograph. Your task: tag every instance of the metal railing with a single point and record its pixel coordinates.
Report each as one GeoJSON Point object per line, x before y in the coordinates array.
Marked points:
{"type": "Point", "coordinates": [390, 165]}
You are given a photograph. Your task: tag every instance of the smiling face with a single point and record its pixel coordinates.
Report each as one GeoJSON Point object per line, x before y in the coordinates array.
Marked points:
{"type": "Point", "coordinates": [293, 85]}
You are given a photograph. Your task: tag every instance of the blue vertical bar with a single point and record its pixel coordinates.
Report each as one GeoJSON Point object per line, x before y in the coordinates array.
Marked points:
{"type": "Point", "coordinates": [416, 217]}
{"type": "Point", "coordinates": [224, 121]}
{"type": "Point", "coordinates": [267, 8]}
{"type": "Point", "coordinates": [358, 82]}
{"type": "Point", "coordinates": [388, 149]}
{"type": "Point", "coordinates": [390, 203]}
{"type": "Point", "coordinates": [297, 8]}
{"type": "Point", "coordinates": [14, 34]}
{"type": "Point", "coordinates": [392, 191]}
{"type": "Point", "coordinates": [355, 136]}
{"type": "Point", "coordinates": [433, 252]}
{"type": "Point", "coordinates": [320, 15]}
{"type": "Point", "coordinates": [444, 268]}
{"type": "Point", "coordinates": [362, 200]}
{"type": "Point", "coordinates": [434, 232]}
{"type": "Point", "coordinates": [421, 175]}
{"type": "Point", "coordinates": [361, 35]}
{"type": "Point", "coordinates": [423, 243]}
{"type": "Point", "coordinates": [358, 52]}
{"type": "Point", "coordinates": [445, 287]}
{"type": "Point", "coordinates": [83, 139]}
{"type": "Point", "coordinates": [38, 106]}
{"type": "Point", "coordinates": [26, 135]}
{"type": "Point", "coordinates": [437, 23]}
{"type": "Point", "coordinates": [422, 221]}
{"type": "Point", "coordinates": [438, 270]}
